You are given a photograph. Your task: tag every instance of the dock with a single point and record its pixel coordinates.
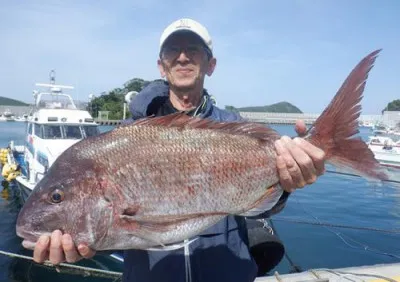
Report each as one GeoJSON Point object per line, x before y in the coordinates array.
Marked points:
{"type": "Point", "coordinates": [372, 273]}
{"type": "Point", "coordinates": [269, 118]}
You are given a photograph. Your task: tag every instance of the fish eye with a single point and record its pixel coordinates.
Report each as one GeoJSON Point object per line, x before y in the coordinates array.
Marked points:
{"type": "Point", "coordinates": [56, 196]}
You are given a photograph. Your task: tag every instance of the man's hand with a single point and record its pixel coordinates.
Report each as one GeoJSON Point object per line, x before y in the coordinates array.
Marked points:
{"type": "Point", "coordinates": [59, 248]}
{"type": "Point", "coordinates": [298, 161]}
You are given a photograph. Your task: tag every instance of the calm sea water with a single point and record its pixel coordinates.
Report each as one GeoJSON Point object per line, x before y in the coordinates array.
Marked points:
{"type": "Point", "coordinates": [334, 199]}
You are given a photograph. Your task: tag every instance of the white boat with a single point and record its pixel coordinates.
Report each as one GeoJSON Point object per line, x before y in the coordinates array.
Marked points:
{"type": "Point", "coordinates": [23, 118]}
{"type": "Point", "coordinates": [386, 150]}
{"type": "Point", "coordinates": [55, 124]}
{"type": "Point", "coordinates": [8, 115]}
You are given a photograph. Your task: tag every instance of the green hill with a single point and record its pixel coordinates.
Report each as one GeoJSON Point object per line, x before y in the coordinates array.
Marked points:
{"type": "Point", "coordinates": [11, 102]}
{"type": "Point", "coordinates": [282, 107]}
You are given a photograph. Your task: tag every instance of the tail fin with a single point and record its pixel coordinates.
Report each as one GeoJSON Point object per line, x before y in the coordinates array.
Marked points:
{"type": "Point", "coordinates": [334, 130]}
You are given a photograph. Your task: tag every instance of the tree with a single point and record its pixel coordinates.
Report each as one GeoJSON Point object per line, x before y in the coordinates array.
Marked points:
{"type": "Point", "coordinates": [135, 84]}
{"type": "Point", "coordinates": [113, 100]}
{"type": "Point", "coordinates": [392, 106]}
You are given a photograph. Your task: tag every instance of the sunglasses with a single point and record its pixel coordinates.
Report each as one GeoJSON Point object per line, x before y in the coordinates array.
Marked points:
{"type": "Point", "coordinates": [171, 52]}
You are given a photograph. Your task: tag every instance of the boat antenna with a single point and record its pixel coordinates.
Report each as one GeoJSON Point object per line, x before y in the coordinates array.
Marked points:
{"type": "Point", "coordinates": [52, 84]}
{"type": "Point", "coordinates": [52, 77]}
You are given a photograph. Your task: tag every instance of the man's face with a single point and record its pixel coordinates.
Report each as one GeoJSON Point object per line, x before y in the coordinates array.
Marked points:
{"type": "Point", "coordinates": [184, 61]}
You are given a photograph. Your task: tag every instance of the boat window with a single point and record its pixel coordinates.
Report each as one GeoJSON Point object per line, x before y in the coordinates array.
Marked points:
{"type": "Point", "coordinates": [60, 101]}
{"type": "Point", "coordinates": [30, 129]}
{"type": "Point", "coordinates": [37, 130]}
{"type": "Point", "coordinates": [91, 130]}
{"type": "Point", "coordinates": [52, 132]}
{"type": "Point", "coordinates": [72, 132]}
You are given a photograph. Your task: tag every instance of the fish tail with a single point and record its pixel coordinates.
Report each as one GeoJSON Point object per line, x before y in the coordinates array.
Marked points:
{"type": "Point", "coordinates": [334, 131]}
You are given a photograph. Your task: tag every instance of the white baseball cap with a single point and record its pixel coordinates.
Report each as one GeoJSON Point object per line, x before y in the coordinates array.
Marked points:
{"type": "Point", "coordinates": [187, 24]}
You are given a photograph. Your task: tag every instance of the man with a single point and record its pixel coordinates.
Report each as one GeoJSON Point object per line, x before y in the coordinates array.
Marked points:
{"type": "Point", "coordinates": [220, 253]}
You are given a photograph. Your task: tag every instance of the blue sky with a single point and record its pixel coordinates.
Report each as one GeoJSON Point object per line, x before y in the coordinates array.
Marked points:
{"type": "Point", "coordinates": [267, 51]}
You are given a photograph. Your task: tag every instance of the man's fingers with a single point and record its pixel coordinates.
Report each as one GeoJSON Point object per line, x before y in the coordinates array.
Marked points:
{"type": "Point", "coordinates": [85, 251]}
{"type": "Point", "coordinates": [305, 170]}
{"type": "Point", "coordinates": [297, 176]}
{"type": "Point", "coordinates": [56, 251]}
{"type": "Point", "coordinates": [316, 154]}
{"type": "Point", "coordinates": [285, 180]}
{"type": "Point", "coordinates": [71, 253]}
{"type": "Point", "coordinates": [300, 128]}
{"type": "Point", "coordinates": [41, 251]}
{"type": "Point", "coordinates": [58, 248]}
{"type": "Point", "coordinates": [288, 168]}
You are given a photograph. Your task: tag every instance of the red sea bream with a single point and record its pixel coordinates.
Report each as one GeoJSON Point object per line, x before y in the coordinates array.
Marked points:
{"type": "Point", "coordinates": [161, 180]}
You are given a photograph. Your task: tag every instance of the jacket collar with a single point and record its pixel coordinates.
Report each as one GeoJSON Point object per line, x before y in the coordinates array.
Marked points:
{"type": "Point", "coordinates": [151, 96]}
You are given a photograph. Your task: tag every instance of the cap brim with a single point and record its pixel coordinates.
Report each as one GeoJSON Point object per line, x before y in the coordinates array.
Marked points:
{"type": "Point", "coordinates": [182, 31]}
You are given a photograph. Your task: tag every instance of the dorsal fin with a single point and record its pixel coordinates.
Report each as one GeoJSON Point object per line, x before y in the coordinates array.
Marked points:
{"type": "Point", "coordinates": [183, 121]}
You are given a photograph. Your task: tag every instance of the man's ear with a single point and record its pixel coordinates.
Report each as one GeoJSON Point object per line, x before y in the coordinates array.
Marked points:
{"type": "Point", "coordinates": [161, 68]}
{"type": "Point", "coordinates": [212, 63]}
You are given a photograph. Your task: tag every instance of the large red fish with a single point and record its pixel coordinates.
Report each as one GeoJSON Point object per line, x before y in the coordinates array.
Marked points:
{"type": "Point", "coordinates": [162, 180]}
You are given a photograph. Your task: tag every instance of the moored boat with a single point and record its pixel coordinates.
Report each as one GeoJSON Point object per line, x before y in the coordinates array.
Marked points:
{"type": "Point", "coordinates": [386, 150]}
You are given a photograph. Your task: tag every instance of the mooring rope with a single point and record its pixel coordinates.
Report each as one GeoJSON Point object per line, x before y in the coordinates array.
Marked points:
{"type": "Point", "coordinates": [392, 231]}
{"type": "Point", "coordinates": [341, 236]}
{"type": "Point", "coordinates": [356, 175]}
{"type": "Point", "coordinates": [73, 269]}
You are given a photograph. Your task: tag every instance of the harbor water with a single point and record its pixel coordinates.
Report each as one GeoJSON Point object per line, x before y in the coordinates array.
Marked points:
{"type": "Point", "coordinates": [339, 221]}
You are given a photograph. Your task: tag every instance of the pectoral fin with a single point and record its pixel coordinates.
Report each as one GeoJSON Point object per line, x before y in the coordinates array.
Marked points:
{"type": "Point", "coordinates": [161, 223]}
{"type": "Point", "coordinates": [148, 227]}
{"type": "Point", "coordinates": [266, 202]}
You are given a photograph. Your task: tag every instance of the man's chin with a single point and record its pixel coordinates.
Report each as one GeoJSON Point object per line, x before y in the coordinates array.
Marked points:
{"type": "Point", "coordinates": [186, 88]}
{"type": "Point", "coordinates": [184, 85]}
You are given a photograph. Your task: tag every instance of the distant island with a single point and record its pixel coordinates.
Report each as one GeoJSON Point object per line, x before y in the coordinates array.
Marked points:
{"type": "Point", "coordinates": [11, 102]}
{"type": "Point", "coordinates": [281, 107]}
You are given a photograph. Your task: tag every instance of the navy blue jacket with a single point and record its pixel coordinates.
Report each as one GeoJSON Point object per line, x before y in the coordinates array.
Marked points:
{"type": "Point", "coordinates": [220, 253]}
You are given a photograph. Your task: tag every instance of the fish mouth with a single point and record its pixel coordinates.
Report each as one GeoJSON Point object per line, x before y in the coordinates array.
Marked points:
{"type": "Point", "coordinates": [30, 238]}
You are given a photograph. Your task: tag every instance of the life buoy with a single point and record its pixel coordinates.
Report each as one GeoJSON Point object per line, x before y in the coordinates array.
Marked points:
{"type": "Point", "coordinates": [6, 170]}
{"type": "Point", "coordinates": [10, 171]}
{"type": "Point", "coordinates": [3, 156]}
{"type": "Point", "coordinates": [12, 176]}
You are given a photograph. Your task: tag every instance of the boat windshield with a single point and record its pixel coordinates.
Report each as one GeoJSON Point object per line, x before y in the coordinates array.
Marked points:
{"type": "Point", "coordinates": [59, 101]}
{"type": "Point", "coordinates": [51, 132]}
{"type": "Point", "coordinates": [72, 132]}
{"type": "Point", "coordinates": [91, 130]}
{"type": "Point", "coordinates": [64, 131]}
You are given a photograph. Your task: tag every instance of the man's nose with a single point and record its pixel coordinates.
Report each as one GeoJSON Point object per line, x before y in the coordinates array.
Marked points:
{"type": "Point", "coordinates": [182, 56]}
